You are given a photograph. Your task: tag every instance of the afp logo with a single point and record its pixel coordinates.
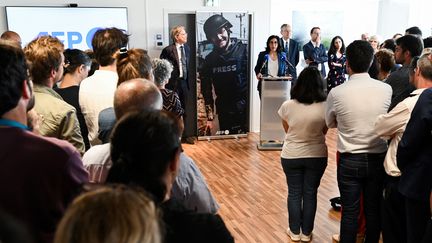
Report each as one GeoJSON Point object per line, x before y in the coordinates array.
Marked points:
{"type": "Point", "coordinates": [72, 39]}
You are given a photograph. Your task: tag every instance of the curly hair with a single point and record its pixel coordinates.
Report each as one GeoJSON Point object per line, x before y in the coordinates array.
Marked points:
{"type": "Point", "coordinates": [162, 69]}
{"type": "Point", "coordinates": [385, 59]}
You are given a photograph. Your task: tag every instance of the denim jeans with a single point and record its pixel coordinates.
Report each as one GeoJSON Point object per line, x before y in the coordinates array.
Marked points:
{"type": "Point", "coordinates": [303, 178]}
{"type": "Point", "coordinates": [359, 173]}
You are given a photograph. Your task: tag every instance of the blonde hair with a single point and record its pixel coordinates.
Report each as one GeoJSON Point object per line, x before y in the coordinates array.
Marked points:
{"type": "Point", "coordinates": [114, 214]}
{"type": "Point", "coordinates": [175, 31]}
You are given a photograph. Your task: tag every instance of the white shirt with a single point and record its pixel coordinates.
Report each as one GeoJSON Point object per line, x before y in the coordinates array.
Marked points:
{"type": "Point", "coordinates": [96, 93]}
{"type": "Point", "coordinates": [286, 44]}
{"type": "Point", "coordinates": [305, 137]}
{"type": "Point", "coordinates": [392, 125]}
{"type": "Point", "coordinates": [179, 54]}
{"type": "Point", "coordinates": [353, 108]}
{"type": "Point", "coordinates": [273, 67]}
{"type": "Point", "coordinates": [189, 187]}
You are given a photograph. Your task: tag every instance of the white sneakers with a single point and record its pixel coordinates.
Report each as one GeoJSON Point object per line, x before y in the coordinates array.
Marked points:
{"type": "Point", "coordinates": [298, 237]}
{"type": "Point", "coordinates": [306, 238]}
{"type": "Point", "coordinates": [294, 237]}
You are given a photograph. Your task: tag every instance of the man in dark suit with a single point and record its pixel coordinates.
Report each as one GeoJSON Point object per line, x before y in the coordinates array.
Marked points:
{"type": "Point", "coordinates": [314, 51]}
{"type": "Point", "coordinates": [414, 158]}
{"type": "Point", "coordinates": [291, 49]}
{"type": "Point", "coordinates": [178, 54]}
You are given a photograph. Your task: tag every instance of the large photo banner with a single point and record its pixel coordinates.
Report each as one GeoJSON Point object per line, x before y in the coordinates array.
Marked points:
{"type": "Point", "coordinates": [222, 73]}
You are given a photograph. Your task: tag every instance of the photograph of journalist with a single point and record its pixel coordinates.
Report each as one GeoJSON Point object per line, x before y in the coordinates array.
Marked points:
{"type": "Point", "coordinates": [224, 73]}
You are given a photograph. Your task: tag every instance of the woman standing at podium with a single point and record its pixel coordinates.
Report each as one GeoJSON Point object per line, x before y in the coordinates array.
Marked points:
{"type": "Point", "coordinates": [304, 152]}
{"type": "Point", "coordinates": [272, 62]}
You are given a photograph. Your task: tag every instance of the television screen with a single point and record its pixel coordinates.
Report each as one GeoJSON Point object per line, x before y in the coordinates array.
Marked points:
{"type": "Point", "coordinates": [75, 27]}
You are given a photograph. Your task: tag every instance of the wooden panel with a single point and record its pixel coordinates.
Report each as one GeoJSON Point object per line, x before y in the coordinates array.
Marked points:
{"type": "Point", "coordinates": [251, 189]}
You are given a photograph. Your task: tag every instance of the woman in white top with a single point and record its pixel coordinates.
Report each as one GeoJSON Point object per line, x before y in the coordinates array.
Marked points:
{"type": "Point", "coordinates": [304, 153]}
{"type": "Point", "coordinates": [272, 62]}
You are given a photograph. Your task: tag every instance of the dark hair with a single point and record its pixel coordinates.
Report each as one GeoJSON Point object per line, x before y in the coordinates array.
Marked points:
{"type": "Point", "coordinates": [414, 31]}
{"type": "Point", "coordinates": [427, 42]}
{"type": "Point", "coordinates": [134, 63]}
{"type": "Point", "coordinates": [13, 72]}
{"type": "Point", "coordinates": [385, 59]}
{"type": "Point", "coordinates": [74, 58]}
{"type": "Point", "coordinates": [279, 48]}
{"type": "Point", "coordinates": [332, 49]}
{"type": "Point", "coordinates": [314, 28]}
{"type": "Point", "coordinates": [410, 43]}
{"type": "Point", "coordinates": [43, 55]}
{"type": "Point", "coordinates": [143, 145]}
{"type": "Point", "coordinates": [359, 55]}
{"type": "Point", "coordinates": [94, 63]}
{"type": "Point", "coordinates": [413, 65]}
{"type": "Point", "coordinates": [389, 44]}
{"type": "Point", "coordinates": [309, 87]}
{"type": "Point", "coordinates": [106, 42]}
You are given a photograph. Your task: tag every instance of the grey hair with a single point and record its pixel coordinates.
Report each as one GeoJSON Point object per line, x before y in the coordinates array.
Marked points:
{"type": "Point", "coordinates": [162, 69]}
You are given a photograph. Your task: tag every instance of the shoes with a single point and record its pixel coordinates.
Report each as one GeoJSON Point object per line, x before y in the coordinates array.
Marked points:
{"type": "Point", "coordinates": [294, 237]}
{"type": "Point", "coordinates": [188, 140]}
{"type": "Point", "coordinates": [335, 238]}
{"type": "Point", "coordinates": [306, 238]}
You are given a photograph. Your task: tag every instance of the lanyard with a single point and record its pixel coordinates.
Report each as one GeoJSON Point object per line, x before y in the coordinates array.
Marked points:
{"type": "Point", "coordinates": [11, 123]}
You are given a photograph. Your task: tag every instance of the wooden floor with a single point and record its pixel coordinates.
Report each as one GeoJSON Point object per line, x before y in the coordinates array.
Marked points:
{"type": "Point", "coordinates": [251, 189]}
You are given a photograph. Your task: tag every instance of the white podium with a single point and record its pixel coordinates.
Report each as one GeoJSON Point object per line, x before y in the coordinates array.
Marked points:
{"type": "Point", "coordinates": [274, 91]}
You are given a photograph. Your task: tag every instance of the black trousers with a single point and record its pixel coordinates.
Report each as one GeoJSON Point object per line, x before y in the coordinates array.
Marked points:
{"type": "Point", "coordinates": [186, 100]}
{"type": "Point", "coordinates": [418, 215]}
{"type": "Point", "coordinates": [393, 212]}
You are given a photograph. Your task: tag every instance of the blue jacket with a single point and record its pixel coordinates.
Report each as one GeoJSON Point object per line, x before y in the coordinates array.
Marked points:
{"type": "Point", "coordinates": [414, 154]}
{"type": "Point", "coordinates": [316, 54]}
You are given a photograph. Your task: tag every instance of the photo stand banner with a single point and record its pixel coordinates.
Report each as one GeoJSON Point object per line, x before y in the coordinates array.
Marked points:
{"type": "Point", "coordinates": [222, 41]}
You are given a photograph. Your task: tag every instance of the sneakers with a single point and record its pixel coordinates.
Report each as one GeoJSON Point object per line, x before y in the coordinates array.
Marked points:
{"type": "Point", "coordinates": [306, 238]}
{"type": "Point", "coordinates": [294, 237]}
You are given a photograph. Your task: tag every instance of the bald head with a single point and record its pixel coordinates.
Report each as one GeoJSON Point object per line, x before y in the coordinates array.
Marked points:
{"type": "Point", "coordinates": [136, 95]}
{"type": "Point", "coordinates": [11, 36]}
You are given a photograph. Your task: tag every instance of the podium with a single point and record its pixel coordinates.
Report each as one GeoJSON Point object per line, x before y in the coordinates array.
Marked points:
{"type": "Point", "coordinates": [274, 91]}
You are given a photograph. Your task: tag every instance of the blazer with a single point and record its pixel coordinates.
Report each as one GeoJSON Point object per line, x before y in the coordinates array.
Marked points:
{"type": "Point", "coordinates": [293, 56]}
{"type": "Point", "coordinates": [414, 154]}
{"type": "Point", "coordinates": [318, 55]}
{"type": "Point", "coordinates": [170, 53]}
{"type": "Point", "coordinates": [262, 66]}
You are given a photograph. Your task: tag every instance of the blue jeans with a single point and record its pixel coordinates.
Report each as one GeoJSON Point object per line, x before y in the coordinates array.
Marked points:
{"type": "Point", "coordinates": [303, 178]}
{"type": "Point", "coordinates": [359, 173]}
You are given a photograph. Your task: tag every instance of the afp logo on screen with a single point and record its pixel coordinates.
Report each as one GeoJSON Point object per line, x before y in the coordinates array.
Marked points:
{"type": "Point", "coordinates": [74, 39]}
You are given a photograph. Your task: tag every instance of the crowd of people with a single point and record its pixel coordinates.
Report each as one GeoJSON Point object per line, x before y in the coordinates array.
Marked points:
{"type": "Point", "coordinates": [384, 129]}
{"type": "Point", "coordinates": [100, 156]}
{"type": "Point", "coordinates": [99, 136]}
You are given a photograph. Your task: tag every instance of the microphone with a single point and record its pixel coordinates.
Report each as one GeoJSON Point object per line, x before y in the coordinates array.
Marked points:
{"type": "Point", "coordinates": [284, 58]}
{"type": "Point", "coordinates": [264, 63]}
